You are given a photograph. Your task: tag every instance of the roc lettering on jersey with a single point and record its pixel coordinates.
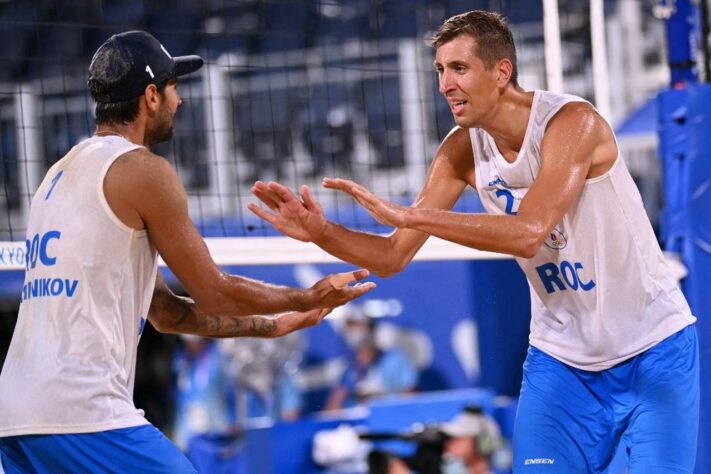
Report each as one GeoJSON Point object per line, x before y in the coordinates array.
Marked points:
{"type": "Point", "coordinates": [38, 247]}
{"type": "Point", "coordinates": [39, 250]}
{"type": "Point", "coordinates": [568, 275]}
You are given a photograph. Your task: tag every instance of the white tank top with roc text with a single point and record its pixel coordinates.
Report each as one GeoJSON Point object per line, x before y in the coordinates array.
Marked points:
{"type": "Point", "coordinates": [601, 291]}
{"type": "Point", "coordinates": [88, 285]}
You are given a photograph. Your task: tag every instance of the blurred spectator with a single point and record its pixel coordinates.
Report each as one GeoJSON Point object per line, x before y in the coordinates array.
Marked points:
{"type": "Point", "coordinates": [262, 372]}
{"type": "Point", "coordinates": [470, 443]}
{"type": "Point", "coordinates": [280, 402]}
{"type": "Point", "coordinates": [472, 440]}
{"type": "Point", "coordinates": [328, 129]}
{"type": "Point", "coordinates": [204, 398]}
{"type": "Point", "coordinates": [372, 370]}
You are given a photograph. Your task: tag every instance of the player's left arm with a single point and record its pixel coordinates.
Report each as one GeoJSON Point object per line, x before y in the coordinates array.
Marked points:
{"type": "Point", "coordinates": [170, 313]}
{"type": "Point", "coordinates": [577, 144]}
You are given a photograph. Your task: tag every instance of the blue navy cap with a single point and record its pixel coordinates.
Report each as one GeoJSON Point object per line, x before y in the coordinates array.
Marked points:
{"type": "Point", "coordinates": [128, 62]}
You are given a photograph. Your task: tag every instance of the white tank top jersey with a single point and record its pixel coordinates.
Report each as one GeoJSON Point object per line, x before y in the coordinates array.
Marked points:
{"type": "Point", "coordinates": [601, 291]}
{"type": "Point", "coordinates": [89, 281]}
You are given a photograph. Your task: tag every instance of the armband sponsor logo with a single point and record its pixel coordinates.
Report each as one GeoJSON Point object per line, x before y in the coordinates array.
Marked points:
{"type": "Point", "coordinates": [568, 275]}
{"type": "Point", "coordinates": [40, 249]}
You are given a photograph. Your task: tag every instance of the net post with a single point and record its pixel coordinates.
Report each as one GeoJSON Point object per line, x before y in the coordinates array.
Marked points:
{"type": "Point", "coordinates": [413, 117]}
{"type": "Point", "coordinates": [30, 148]}
{"type": "Point", "coordinates": [218, 126]}
{"type": "Point", "coordinates": [553, 55]}
{"type": "Point", "coordinates": [601, 80]}
{"type": "Point", "coordinates": [680, 21]}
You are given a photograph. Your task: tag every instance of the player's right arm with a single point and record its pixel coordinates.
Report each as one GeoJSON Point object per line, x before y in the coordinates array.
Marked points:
{"type": "Point", "coordinates": [173, 314]}
{"type": "Point", "coordinates": [144, 191]}
{"type": "Point", "coordinates": [303, 219]}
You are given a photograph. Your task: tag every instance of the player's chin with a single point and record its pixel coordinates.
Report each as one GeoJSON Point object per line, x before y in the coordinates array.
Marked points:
{"type": "Point", "coordinates": [464, 121]}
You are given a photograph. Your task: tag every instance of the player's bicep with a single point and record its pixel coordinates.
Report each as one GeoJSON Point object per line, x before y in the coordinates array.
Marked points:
{"type": "Point", "coordinates": [566, 156]}
{"type": "Point", "coordinates": [451, 171]}
{"type": "Point", "coordinates": [163, 208]}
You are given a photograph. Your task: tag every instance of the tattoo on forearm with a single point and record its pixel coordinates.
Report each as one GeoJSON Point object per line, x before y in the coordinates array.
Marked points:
{"type": "Point", "coordinates": [255, 326]}
{"type": "Point", "coordinates": [236, 326]}
{"type": "Point", "coordinates": [182, 315]}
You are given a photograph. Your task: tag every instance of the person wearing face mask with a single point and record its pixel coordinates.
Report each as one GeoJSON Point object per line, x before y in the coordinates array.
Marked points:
{"type": "Point", "coordinates": [472, 440]}
{"type": "Point", "coordinates": [470, 443]}
{"type": "Point", "coordinates": [371, 371]}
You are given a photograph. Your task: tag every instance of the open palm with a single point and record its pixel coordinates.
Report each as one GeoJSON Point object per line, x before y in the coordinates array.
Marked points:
{"type": "Point", "coordinates": [383, 211]}
{"type": "Point", "coordinates": [301, 219]}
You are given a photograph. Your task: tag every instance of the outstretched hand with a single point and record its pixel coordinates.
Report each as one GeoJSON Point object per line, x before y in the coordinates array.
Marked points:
{"type": "Point", "coordinates": [301, 219]}
{"type": "Point", "coordinates": [335, 290]}
{"type": "Point", "coordinates": [296, 320]}
{"type": "Point", "coordinates": [383, 211]}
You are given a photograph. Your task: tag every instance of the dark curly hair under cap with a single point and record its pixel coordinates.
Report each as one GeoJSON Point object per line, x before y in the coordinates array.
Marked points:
{"type": "Point", "coordinates": [128, 62]}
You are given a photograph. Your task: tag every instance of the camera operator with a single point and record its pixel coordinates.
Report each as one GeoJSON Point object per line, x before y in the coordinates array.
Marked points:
{"type": "Point", "coordinates": [471, 440]}
{"type": "Point", "coordinates": [464, 445]}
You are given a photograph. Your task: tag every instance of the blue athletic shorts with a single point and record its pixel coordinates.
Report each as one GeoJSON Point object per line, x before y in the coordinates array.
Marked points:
{"type": "Point", "coordinates": [141, 449]}
{"type": "Point", "coordinates": [572, 421]}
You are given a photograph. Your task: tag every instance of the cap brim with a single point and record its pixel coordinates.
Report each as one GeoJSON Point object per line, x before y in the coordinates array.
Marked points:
{"type": "Point", "coordinates": [187, 64]}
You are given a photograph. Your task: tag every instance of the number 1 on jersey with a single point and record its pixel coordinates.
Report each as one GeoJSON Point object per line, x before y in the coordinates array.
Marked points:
{"type": "Point", "coordinates": [54, 183]}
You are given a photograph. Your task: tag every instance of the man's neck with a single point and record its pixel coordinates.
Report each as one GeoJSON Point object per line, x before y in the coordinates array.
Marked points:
{"type": "Point", "coordinates": [128, 131]}
{"type": "Point", "coordinates": [509, 120]}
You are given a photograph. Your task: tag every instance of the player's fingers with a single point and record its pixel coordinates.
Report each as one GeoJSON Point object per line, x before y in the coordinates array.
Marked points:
{"type": "Point", "coordinates": [309, 202]}
{"type": "Point", "coordinates": [264, 195]}
{"type": "Point", "coordinates": [338, 184]}
{"type": "Point", "coordinates": [261, 213]}
{"type": "Point", "coordinates": [339, 280]}
{"type": "Point", "coordinates": [261, 187]}
{"type": "Point", "coordinates": [360, 289]}
{"type": "Point", "coordinates": [281, 192]}
{"type": "Point", "coordinates": [360, 274]}
{"type": "Point", "coordinates": [266, 189]}
{"type": "Point", "coordinates": [328, 182]}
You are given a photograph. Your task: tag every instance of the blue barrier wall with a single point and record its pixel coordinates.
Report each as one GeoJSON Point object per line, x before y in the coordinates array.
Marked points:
{"type": "Point", "coordinates": [436, 297]}
{"type": "Point", "coordinates": [685, 149]}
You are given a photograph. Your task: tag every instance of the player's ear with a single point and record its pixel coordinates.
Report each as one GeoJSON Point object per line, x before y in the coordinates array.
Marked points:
{"type": "Point", "coordinates": [151, 97]}
{"type": "Point", "coordinates": [504, 69]}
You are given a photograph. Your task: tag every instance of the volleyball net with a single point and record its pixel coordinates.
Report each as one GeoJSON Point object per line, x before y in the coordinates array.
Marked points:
{"type": "Point", "coordinates": [292, 90]}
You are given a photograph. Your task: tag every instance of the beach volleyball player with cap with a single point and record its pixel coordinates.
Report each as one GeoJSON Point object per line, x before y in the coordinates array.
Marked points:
{"type": "Point", "coordinates": [97, 223]}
